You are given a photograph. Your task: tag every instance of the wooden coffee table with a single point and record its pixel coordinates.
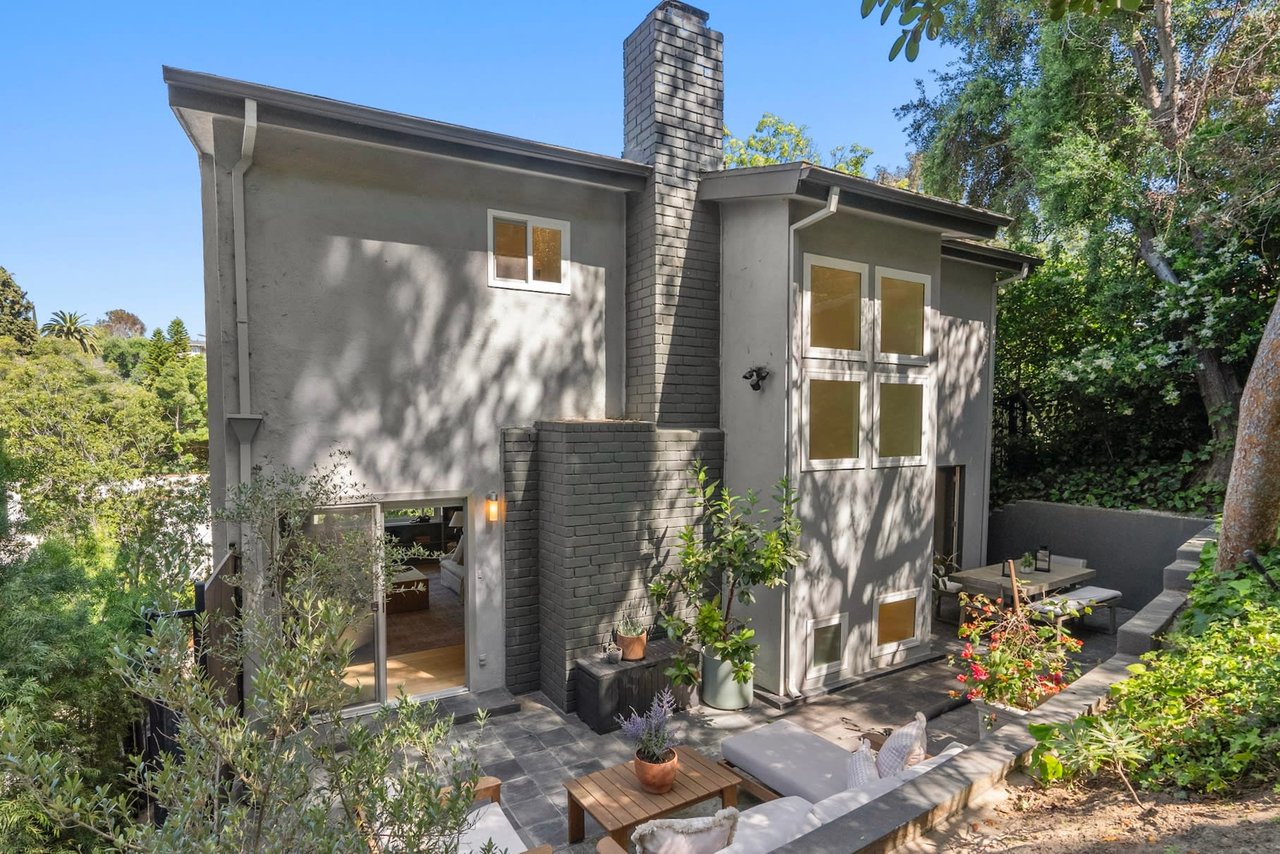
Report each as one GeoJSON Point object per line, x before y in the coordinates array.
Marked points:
{"type": "Point", "coordinates": [614, 797]}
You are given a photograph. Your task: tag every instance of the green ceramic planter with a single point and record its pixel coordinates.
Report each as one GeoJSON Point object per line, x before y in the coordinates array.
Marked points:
{"type": "Point", "coordinates": [719, 690]}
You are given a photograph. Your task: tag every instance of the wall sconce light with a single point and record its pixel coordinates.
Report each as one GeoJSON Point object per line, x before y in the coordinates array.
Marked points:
{"type": "Point", "coordinates": [756, 377]}
{"type": "Point", "coordinates": [491, 506]}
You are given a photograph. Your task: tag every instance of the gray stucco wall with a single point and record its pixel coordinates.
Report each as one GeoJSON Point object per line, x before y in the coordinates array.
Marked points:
{"type": "Point", "coordinates": [373, 329]}
{"type": "Point", "coordinates": [869, 531]}
{"type": "Point", "coordinates": [964, 341]}
{"type": "Point", "coordinates": [612, 498]}
{"type": "Point", "coordinates": [1128, 548]}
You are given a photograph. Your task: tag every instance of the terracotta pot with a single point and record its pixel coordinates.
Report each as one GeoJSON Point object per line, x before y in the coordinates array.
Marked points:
{"type": "Point", "coordinates": [632, 647]}
{"type": "Point", "coordinates": [657, 777]}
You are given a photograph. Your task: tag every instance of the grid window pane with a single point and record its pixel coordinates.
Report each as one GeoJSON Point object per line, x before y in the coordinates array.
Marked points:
{"type": "Point", "coordinates": [835, 308]}
{"type": "Point", "coordinates": [901, 419]}
{"type": "Point", "coordinates": [510, 250]}
{"type": "Point", "coordinates": [826, 645]}
{"type": "Point", "coordinates": [901, 317]}
{"type": "Point", "coordinates": [833, 419]}
{"type": "Point", "coordinates": [896, 621]}
{"type": "Point", "coordinates": [546, 254]}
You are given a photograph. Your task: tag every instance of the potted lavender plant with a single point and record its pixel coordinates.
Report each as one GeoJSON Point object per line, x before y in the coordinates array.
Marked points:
{"type": "Point", "coordinates": [656, 760]}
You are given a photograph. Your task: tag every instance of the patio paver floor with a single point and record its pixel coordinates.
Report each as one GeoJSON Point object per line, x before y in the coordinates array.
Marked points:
{"type": "Point", "coordinates": [537, 749]}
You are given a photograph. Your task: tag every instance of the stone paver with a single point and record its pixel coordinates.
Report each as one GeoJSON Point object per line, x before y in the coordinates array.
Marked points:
{"type": "Point", "coordinates": [537, 749]}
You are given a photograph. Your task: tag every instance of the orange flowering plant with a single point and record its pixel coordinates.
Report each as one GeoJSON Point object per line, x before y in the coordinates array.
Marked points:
{"type": "Point", "coordinates": [1012, 655]}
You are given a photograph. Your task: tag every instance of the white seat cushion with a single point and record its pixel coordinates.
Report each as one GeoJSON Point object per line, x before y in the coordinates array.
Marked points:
{"type": "Point", "coordinates": [491, 823]}
{"type": "Point", "coordinates": [949, 586]}
{"type": "Point", "coordinates": [829, 809]}
{"type": "Point", "coordinates": [771, 825]}
{"type": "Point", "coordinates": [790, 760]}
{"type": "Point", "coordinates": [1076, 600]}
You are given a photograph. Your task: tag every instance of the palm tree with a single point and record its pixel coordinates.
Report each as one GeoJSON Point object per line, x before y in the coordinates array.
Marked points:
{"type": "Point", "coordinates": [71, 326]}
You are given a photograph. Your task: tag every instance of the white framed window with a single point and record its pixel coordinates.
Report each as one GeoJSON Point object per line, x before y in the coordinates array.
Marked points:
{"type": "Point", "coordinates": [834, 417]}
{"type": "Point", "coordinates": [828, 637]}
{"type": "Point", "coordinates": [836, 320]}
{"type": "Point", "coordinates": [898, 620]}
{"type": "Point", "coordinates": [902, 317]}
{"type": "Point", "coordinates": [902, 419]}
{"type": "Point", "coordinates": [528, 253]}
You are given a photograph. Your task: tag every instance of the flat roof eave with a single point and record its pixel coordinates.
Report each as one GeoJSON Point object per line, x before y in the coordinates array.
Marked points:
{"type": "Point", "coordinates": [806, 181]}
{"type": "Point", "coordinates": [192, 91]}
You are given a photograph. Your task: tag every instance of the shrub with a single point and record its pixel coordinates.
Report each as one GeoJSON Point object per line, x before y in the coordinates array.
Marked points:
{"type": "Point", "coordinates": [1205, 708]}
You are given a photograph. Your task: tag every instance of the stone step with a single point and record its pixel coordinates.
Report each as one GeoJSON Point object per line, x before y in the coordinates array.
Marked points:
{"type": "Point", "coordinates": [1140, 632]}
{"type": "Point", "coordinates": [1177, 575]}
{"type": "Point", "coordinates": [1190, 550]}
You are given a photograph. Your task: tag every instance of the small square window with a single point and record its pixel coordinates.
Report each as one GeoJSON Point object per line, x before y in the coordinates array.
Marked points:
{"type": "Point", "coordinates": [896, 621]}
{"type": "Point", "coordinates": [528, 253]}
{"type": "Point", "coordinates": [902, 316]}
{"type": "Point", "coordinates": [901, 426]}
{"type": "Point", "coordinates": [509, 240]}
{"type": "Point", "coordinates": [827, 639]}
{"type": "Point", "coordinates": [834, 422]}
{"type": "Point", "coordinates": [827, 645]}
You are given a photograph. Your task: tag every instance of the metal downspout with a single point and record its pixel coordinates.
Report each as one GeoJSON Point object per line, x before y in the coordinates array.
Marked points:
{"type": "Point", "coordinates": [243, 423]}
{"type": "Point", "coordinates": [790, 680]}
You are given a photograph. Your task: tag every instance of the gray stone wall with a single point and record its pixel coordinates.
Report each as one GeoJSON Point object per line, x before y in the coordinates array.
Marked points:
{"type": "Point", "coordinates": [612, 497]}
{"type": "Point", "coordinates": [673, 111]}
{"type": "Point", "coordinates": [520, 557]}
{"type": "Point", "coordinates": [1128, 548]}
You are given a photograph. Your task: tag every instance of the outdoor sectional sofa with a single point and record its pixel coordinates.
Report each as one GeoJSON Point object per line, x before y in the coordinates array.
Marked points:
{"type": "Point", "coordinates": [805, 777]}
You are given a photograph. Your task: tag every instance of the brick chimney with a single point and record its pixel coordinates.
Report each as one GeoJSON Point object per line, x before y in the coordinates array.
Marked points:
{"type": "Point", "coordinates": [674, 119]}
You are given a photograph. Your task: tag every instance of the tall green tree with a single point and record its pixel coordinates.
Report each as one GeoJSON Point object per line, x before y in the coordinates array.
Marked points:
{"type": "Point", "coordinates": [179, 337]}
{"type": "Point", "coordinates": [71, 326]}
{"type": "Point", "coordinates": [779, 141]}
{"type": "Point", "coordinates": [1150, 135]}
{"type": "Point", "coordinates": [158, 354]}
{"type": "Point", "coordinates": [73, 428]}
{"type": "Point", "coordinates": [17, 314]}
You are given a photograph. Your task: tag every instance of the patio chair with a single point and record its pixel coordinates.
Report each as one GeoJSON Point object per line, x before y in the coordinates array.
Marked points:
{"type": "Point", "coordinates": [490, 824]}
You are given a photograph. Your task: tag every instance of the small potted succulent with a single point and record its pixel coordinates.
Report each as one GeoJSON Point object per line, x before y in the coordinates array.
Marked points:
{"type": "Point", "coordinates": [656, 760]}
{"type": "Point", "coordinates": [612, 652]}
{"type": "Point", "coordinates": [632, 637]}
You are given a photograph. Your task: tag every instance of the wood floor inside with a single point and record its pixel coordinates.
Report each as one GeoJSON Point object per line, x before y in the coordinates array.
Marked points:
{"type": "Point", "coordinates": [423, 672]}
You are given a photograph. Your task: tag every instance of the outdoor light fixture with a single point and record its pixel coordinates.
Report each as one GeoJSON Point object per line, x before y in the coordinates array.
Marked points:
{"type": "Point", "coordinates": [756, 377]}
{"type": "Point", "coordinates": [491, 506]}
{"type": "Point", "coordinates": [1044, 559]}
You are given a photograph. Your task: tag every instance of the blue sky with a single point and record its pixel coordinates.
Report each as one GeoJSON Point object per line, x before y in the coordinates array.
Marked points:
{"type": "Point", "coordinates": [100, 204]}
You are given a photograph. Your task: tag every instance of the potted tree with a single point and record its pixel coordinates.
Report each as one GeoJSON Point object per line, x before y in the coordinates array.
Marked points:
{"type": "Point", "coordinates": [732, 549]}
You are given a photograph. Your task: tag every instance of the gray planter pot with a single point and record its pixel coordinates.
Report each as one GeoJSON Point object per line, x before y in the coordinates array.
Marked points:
{"type": "Point", "coordinates": [719, 690]}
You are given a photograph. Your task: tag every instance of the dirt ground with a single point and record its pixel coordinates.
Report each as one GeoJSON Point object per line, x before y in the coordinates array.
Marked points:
{"type": "Point", "coordinates": [1096, 818]}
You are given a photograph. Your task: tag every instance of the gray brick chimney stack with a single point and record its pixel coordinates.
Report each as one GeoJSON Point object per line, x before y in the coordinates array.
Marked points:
{"type": "Point", "coordinates": [674, 119]}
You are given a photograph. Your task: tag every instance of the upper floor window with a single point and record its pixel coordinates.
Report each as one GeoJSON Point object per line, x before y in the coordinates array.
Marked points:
{"type": "Point", "coordinates": [528, 253]}
{"type": "Point", "coordinates": [833, 307]}
{"type": "Point", "coordinates": [902, 317]}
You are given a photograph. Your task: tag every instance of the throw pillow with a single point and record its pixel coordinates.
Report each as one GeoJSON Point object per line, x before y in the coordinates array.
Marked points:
{"type": "Point", "coordinates": [701, 835]}
{"type": "Point", "coordinates": [862, 766]}
{"type": "Point", "coordinates": [907, 746]}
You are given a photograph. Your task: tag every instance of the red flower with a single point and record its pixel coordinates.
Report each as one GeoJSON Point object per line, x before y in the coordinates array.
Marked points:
{"type": "Point", "coordinates": [979, 672]}
{"type": "Point", "coordinates": [960, 677]}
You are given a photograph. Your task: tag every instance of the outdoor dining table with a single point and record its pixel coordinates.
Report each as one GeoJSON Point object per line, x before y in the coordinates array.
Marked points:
{"type": "Point", "coordinates": [990, 579]}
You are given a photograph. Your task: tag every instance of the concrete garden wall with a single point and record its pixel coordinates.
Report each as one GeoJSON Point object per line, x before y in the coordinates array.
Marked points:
{"type": "Point", "coordinates": [1128, 548]}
